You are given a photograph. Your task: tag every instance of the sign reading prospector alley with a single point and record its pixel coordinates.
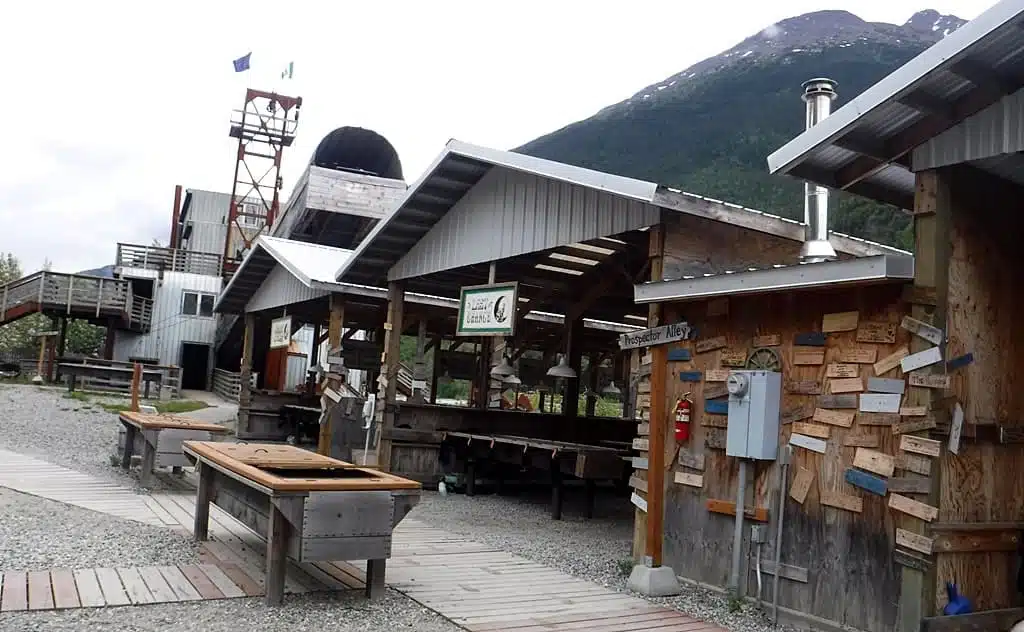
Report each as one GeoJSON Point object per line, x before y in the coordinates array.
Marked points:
{"type": "Point", "coordinates": [656, 336]}
{"type": "Point", "coordinates": [488, 310]}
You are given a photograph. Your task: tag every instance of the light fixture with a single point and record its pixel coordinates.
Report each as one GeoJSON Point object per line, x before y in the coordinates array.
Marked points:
{"type": "Point", "coordinates": [611, 389]}
{"type": "Point", "coordinates": [562, 369]}
{"type": "Point", "coordinates": [503, 369]}
{"type": "Point", "coordinates": [511, 379]}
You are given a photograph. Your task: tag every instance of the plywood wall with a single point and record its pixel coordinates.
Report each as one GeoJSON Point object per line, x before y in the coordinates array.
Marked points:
{"type": "Point", "coordinates": [985, 482]}
{"type": "Point", "coordinates": [846, 554]}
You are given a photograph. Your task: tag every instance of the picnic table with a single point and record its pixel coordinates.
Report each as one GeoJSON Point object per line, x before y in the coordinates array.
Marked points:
{"type": "Point", "coordinates": [160, 436]}
{"type": "Point", "coordinates": [74, 370]}
{"type": "Point", "coordinates": [306, 506]}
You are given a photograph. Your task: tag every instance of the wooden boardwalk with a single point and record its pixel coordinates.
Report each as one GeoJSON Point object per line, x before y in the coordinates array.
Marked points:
{"type": "Point", "coordinates": [474, 585]}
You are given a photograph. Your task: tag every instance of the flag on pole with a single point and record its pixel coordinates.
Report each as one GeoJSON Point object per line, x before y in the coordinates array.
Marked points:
{"type": "Point", "coordinates": [287, 72]}
{"type": "Point", "coordinates": [242, 63]}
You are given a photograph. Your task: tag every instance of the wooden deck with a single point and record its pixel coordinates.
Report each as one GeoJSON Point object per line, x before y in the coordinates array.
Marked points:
{"type": "Point", "coordinates": [474, 585]}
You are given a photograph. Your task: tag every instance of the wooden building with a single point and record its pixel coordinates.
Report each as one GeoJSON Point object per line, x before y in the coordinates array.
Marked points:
{"type": "Point", "coordinates": [899, 417]}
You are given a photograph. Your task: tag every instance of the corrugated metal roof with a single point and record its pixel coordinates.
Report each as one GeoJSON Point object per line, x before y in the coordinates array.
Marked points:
{"type": "Point", "coordinates": [779, 278]}
{"type": "Point", "coordinates": [461, 166]}
{"type": "Point", "coordinates": [958, 76]}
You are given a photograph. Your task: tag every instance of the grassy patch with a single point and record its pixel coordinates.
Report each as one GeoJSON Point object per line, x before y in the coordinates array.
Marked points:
{"type": "Point", "coordinates": [77, 395]}
{"type": "Point", "coordinates": [179, 406]}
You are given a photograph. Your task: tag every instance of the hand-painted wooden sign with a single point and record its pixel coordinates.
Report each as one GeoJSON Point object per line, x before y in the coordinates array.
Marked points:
{"type": "Point", "coordinates": [801, 484]}
{"type": "Point", "coordinates": [848, 400]}
{"type": "Point", "coordinates": [960, 361]}
{"type": "Point", "coordinates": [810, 339]}
{"type": "Point", "coordinates": [914, 541]}
{"type": "Point", "coordinates": [767, 340]}
{"type": "Point", "coordinates": [891, 361]}
{"type": "Point", "coordinates": [846, 385]}
{"type": "Point", "coordinates": [811, 430]}
{"type": "Point", "coordinates": [840, 321]}
{"type": "Point", "coordinates": [638, 483]}
{"type": "Point", "coordinates": [716, 391]}
{"type": "Point", "coordinates": [920, 445]}
{"type": "Point", "coordinates": [689, 376]}
{"type": "Point", "coordinates": [796, 414]}
{"type": "Point", "coordinates": [842, 501]}
{"type": "Point", "coordinates": [716, 407]}
{"type": "Point", "coordinates": [687, 478]}
{"type": "Point", "coordinates": [886, 385]}
{"type": "Point", "coordinates": [691, 460]}
{"type": "Point", "coordinates": [877, 332]}
{"type": "Point", "coordinates": [858, 355]}
{"type": "Point", "coordinates": [638, 501]}
{"type": "Point", "coordinates": [956, 427]}
{"type": "Point", "coordinates": [808, 443]}
{"type": "Point", "coordinates": [736, 358]}
{"type": "Point", "coordinates": [922, 329]}
{"type": "Point", "coordinates": [921, 359]}
{"type": "Point", "coordinates": [837, 369]}
{"type": "Point", "coordinates": [641, 444]}
{"type": "Point", "coordinates": [803, 387]}
{"type": "Point", "coordinates": [880, 402]}
{"type": "Point", "coordinates": [877, 419]}
{"type": "Point", "coordinates": [710, 344]}
{"type": "Point", "coordinates": [714, 438]}
{"type": "Point", "coordinates": [861, 441]}
{"type": "Point", "coordinates": [678, 355]}
{"type": "Point", "coordinates": [656, 336]}
{"type": "Point", "coordinates": [934, 380]}
{"type": "Point", "coordinates": [910, 485]}
{"type": "Point", "coordinates": [808, 357]}
{"type": "Point", "coordinates": [874, 461]}
{"type": "Point", "coordinates": [716, 375]}
{"type": "Point", "coordinates": [916, 424]}
{"type": "Point", "coordinates": [912, 507]}
{"type": "Point", "coordinates": [913, 411]}
{"type": "Point", "coordinates": [868, 482]}
{"type": "Point", "coordinates": [639, 463]}
{"type": "Point", "coordinates": [913, 463]}
{"type": "Point", "coordinates": [840, 418]}
{"type": "Point", "coordinates": [910, 560]}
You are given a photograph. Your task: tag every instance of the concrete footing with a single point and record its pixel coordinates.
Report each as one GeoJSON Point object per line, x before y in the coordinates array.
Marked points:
{"type": "Point", "coordinates": [658, 581]}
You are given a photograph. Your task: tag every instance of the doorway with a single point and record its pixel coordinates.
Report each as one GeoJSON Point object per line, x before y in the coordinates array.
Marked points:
{"type": "Point", "coordinates": [195, 366]}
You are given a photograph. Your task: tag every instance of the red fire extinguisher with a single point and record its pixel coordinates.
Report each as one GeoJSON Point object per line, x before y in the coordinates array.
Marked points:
{"type": "Point", "coordinates": [683, 408]}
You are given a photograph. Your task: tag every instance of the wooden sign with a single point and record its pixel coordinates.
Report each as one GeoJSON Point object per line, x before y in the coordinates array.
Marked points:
{"type": "Point", "coordinates": [956, 427]}
{"type": "Point", "coordinates": [959, 361]}
{"type": "Point", "coordinates": [801, 485]}
{"type": "Point", "coordinates": [641, 444]}
{"type": "Point", "coordinates": [921, 359]}
{"type": "Point", "coordinates": [858, 355]}
{"type": "Point", "coordinates": [842, 501]}
{"type": "Point", "coordinates": [334, 395]}
{"type": "Point", "coordinates": [840, 418]}
{"type": "Point", "coordinates": [837, 369]}
{"type": "Point", "coordinates": [877, 419]}
{"type": "Point", "coordinates": [638, 483]}
{"type": "Point", "coordinates": [861, 441]}
{"type": "Point", "coordinates": [736, 358]}
{"type": "Point", "coordinates": [913, 463]}
{"type": "Point", "coordinates": [809, 443]}
{"type": "Point", "coordinates": [716, 407]}
{"type": "Point", "coordinates": [920, 295]}
{"type": "Point", "coordinates": [909, 560]}
{"type": "Point", "coordinates": [994, 540]}
{"type": "Point", "coordinates": [877, 332]}
{"type": "Point", "coordinates": [880, 402]}
{"type": "Point", "coordinates": [679, 355]}
{"type": "Point", "coordinates": [891, 361]}
{"type": "Point", "coordinates": [840, 321]}
{"type": "Point", "coordinates": [912, 507]}
{"type": "Point", "coordinates": [914, 411]}
{"type": "Point", "coordinates": [934, 380]}
{"type": "Point", "coordinates": [643, 401]}
{"type": "Point", "coordinates": [874, 461]}
{"type": "Point", "coordinates": [716, 375]}
{"type": "Point", "coordinates": [714, 421]}
{"type": "Point", "coordinates": [886, 385]}
{"type": "Point", "coordinates": [694, 461]}
{"type": "Point", "coordinates": [691, 480]}
{"type": "Point", "coordinates": [913, 541]}
{"type": "Point", "coordinates": [718, 306]}
{"type": "Point", "coordinates": [638, 501]}
{"type": "Point", "coordinates": [643, 429]}
{"type": "Point", "coordinates": [714, 438]}
{"type": "Point", "coordinates": [808, 357]}
{"type": "Point", "coordinates": [768, 340]}
{"type": "Point", "coordinates": [639, 463]}
{"type": "Point", "coordinates": [656, 336]}
{"type": "Point", "coordinates": [909, 485]}
{"type": "Point", "coordinates": [811, 430]}
{"type": "Point", "coordinates": [922, 329]}
{"type": "Point", "coordinates": [920, 445]}
{"type": "Point", "coordinates": [918, 424]}
{"type": "Point", "coordinates": [728, 508]}
{"type": "Point", "coordinates": [796, 413]}
{"type": "Point", "coordinates": [716, 391]}
{"type": "Point", "coordinates": [803, 387]}
{"type": "Point", "coordinates": [868, 482]}
{"type": "Point", "coordinates": [838, 401]}
{"type": "Point", "coordinates": [710, 344]}
{"type": "Point", "coordinates": [846, 385]}
{"type": "Point", "coordinates": [690, 376]}
{"type": "Point", "coordinates": [810, 339]}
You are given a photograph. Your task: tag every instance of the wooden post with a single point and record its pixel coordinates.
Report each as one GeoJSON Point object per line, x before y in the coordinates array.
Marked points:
{"type": "Point", "coordinates": [108, 340]}
{"type": "Point", "coordinates": [245, 374]}
{"type": "Point", "coordinates": [592, 385]}
{"type": "Point", "coordinates": [62, 342]}
{"type": "Point", "coordinates": [136, 378]}
{"type": "Point", "coordinates": [389, 370]}
{"type": "Point", "coordinates": [419, 369]}
{"type": "Point", "coordinates": [659, 427]}
{"type": "Point", "coordinates": [574, 356]}
{"type": "Point", "coordinates": [435, 369]}
{"type": "Point", "coordinates": [932, 219]}
{"type": "Point", "coordinates": [334, 327]}
{"type": "Point", "coordinates": [42, 356]}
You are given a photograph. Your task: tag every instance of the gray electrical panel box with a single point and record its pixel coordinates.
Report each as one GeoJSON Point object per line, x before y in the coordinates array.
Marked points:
{"type": "Point", "coordinates": [754, 401]}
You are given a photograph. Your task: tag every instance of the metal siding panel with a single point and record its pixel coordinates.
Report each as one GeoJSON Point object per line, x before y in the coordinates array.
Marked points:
{"type": "Point", "coordinates": [994, 131]}
{"type": "Point", "coordinates": [280, 288]}
{"type": "Point", "coordinates": [208, 214]}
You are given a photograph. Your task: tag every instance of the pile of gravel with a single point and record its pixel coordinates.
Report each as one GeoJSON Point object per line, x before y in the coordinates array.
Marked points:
{"type": "Point", "coordinates": [41, 534]}
{"type": "Point", "coordinates": [324, 612]}
{"type": "Point", "coordinates": [597, 550]}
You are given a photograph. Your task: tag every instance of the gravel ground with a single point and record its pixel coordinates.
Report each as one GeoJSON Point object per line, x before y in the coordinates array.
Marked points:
{"type": "Point", "coordinates": [598, 550]}
{"type": "Point", "coordinates": [338, 612]}
{"type": "Point", "coordinates": [40, 534]}
{"type": "Point", "coordinates": [80, 435]}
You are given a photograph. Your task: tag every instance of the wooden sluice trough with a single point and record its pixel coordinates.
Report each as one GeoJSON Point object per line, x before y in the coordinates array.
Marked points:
{"type": "Point", "coordinates": [308, 507]}
{"type": "Point", "coordinates": [158, 438]}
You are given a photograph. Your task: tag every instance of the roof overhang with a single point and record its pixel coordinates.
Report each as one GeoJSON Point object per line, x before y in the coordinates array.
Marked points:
{"type": "Point", "coordinates": [860, 271]}
{"type": "Point", "coordinates": [863, 146]}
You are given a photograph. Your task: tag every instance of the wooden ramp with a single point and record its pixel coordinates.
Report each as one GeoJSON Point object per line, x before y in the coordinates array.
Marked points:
{"type": "Point", "coordinates": [39, 478]}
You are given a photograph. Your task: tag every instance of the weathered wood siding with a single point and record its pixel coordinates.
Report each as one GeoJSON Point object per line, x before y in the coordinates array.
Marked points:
{"type": "Point", "coordinates": [847, 555]}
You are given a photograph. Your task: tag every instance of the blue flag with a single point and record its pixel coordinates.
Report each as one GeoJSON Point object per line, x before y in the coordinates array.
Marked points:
{"type": "Point", "coordinates": [242, 63]}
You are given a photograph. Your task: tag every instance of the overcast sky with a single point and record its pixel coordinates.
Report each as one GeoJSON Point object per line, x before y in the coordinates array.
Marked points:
{"type": "Point", "coordinates": [109, 105]}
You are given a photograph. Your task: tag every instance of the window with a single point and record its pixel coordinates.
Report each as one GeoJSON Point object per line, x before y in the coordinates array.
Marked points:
{"type": "Point", "coordinates": [197, 304]}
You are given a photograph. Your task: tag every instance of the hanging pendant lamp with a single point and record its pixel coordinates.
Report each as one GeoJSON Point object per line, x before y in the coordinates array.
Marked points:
{"type": "Point", "coordinates": [502, 369]}
{"type": "Point", "coordinates": [562, 369]}
{"type": "Point", "coordinates": [611, 389]}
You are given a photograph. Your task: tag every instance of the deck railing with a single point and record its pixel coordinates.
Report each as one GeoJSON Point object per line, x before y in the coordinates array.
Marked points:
{"type": "Point", "coordinates": [227, 384]}
{"type": "Point", "coordinates": [168, 259]}
{"type": "Point", "coordinates": [76, 295]}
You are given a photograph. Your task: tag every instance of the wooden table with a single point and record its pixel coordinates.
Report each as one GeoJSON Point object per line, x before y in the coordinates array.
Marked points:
{"type": "Point", "coordinates": [588, 462]}
{"type": "Point", "coordinates": [72, 371]}
{"type": "Point", "coordinates": [307, 506]}
{"type": "Point", "coordinates": [172, 429]}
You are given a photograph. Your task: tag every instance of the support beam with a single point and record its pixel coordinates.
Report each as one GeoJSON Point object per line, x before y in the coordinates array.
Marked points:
{"type": "Point", "coordinates": [334, 327]}
{"type": "Point", "coordinates": [659, 427]}
{"type": "Point", "coordinates": [574, 353]}
{"type": "Point", "coordinates": [593, 361]}
{"type": "Point", "coordinates": [245, 374]}
{"type": "Point", "coordinates": [389, 370]}
{"type": "Point", "coordinates": [435, 368]}
{"type": "Point", "coordinates": [419, 369]}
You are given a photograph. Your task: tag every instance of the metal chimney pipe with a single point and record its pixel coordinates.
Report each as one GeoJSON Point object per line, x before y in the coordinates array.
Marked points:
{"type": "Point", "coordinates": [818, 95]}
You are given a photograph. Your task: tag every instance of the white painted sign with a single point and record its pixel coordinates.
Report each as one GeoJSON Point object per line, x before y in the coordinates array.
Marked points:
{"type": "Point", "coordinates": [488, 310]}
{"type": "Point", "coordinates": [921, 359]}
{"type": "Point", "coordinates": [956, 428]}
{"type": "Point", "coordinates": [638, 500]}
{"type": "Point", "coordinates": [880, 403]}
{"type": "Point", "coordinates": [280, 332]}
{"type": "Point", "coordinates": [926, 331]}
{"type": "Point", "coordinates": [656, 336]}
{"type": "Point", "coordinates": [809, 443]}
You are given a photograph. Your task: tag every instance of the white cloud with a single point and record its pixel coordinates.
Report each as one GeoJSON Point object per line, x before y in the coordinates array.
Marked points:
{"type": "Point", "coordinates": [108, 104]}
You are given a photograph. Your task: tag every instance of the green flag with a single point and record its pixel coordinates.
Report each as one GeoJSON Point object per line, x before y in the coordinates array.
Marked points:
{"type": "Point", "coordinates": [287, 72]}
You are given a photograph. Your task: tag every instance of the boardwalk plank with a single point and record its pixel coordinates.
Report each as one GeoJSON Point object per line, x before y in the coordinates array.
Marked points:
{"type": "Point", "coordinates": [65, 594]}
{"type": "Point", "coordinates": [157, 585]}
{"type": "Point", "coordinates": [221, 581]}
{"type": "Point", "coordinates": [114, 592]}
{"type": "Point", "coordinates": [40, 594]}
{"type": "Point", "coordinates": [134, 586]}
{"type": "Point", "coordinates": [202, 584]}
{"type": "Point", "coordinates": [15, 592]}
{"type": "Point", "coordinates": [180, 585]}
{"type": "Point", "coordinates": [90, 594]}
{"type": "Point", "coordinates": [242, 579]}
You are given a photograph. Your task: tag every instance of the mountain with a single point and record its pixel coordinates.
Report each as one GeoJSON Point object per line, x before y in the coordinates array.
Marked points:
{"type": "Point", "coordinates": [106, 272]}
{"type": "Point", "coordinates": [709, 128]}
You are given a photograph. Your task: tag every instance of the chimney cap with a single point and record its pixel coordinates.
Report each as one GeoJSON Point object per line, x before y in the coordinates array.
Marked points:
{"type": "Point", "coordinates": [819, 85]}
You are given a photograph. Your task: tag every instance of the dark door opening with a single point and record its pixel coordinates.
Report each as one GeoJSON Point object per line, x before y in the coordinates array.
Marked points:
{"type": "Point", "coordinates": [195, 366]}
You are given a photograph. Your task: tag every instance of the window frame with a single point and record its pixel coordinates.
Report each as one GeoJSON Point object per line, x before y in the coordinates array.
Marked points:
{"type": "Point", "coordinates": [200, 295]}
